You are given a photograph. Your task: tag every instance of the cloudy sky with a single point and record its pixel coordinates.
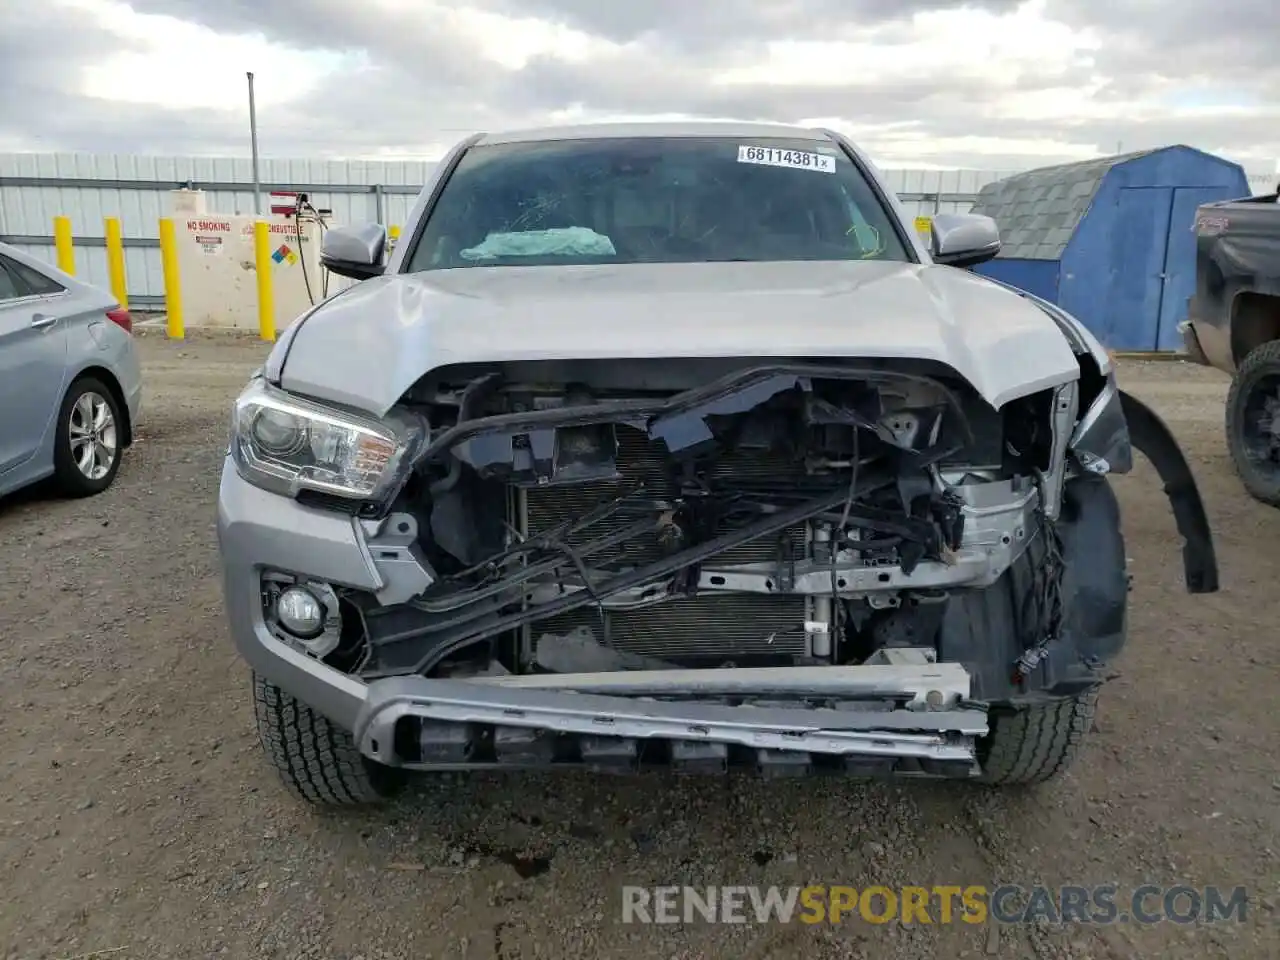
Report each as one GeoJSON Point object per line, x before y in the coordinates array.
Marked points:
{"type": "Point", "coordinates": [986, 84]}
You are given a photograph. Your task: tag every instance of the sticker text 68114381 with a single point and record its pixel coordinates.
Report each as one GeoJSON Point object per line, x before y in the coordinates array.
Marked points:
{"type": "Point", "coordinates": [798, 159]}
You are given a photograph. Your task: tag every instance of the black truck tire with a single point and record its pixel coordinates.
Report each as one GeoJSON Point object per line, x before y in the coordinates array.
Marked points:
{"type": "Point", "coordinates": [317, 761]}
{"type": "Point", "coordinates": [1034, 743]}
{"type": "Point", "coordinates": [1260, 364]}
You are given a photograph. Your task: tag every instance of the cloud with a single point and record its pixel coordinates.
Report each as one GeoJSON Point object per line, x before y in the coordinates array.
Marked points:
{"type": "Point", "coordinates": [990, 84]}
{"type": "Point", "coordinates": [734, 25]}
{"type": "Point", "coordinates": [1232, 44]}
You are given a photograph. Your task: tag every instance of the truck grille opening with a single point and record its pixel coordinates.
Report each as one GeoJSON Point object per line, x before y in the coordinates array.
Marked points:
{"type": "Point", "coordinates": [708, 629]}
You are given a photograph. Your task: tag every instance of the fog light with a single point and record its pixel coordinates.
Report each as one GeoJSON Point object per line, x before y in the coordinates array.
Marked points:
{"type": "Point", "coordinates": [300, 612]}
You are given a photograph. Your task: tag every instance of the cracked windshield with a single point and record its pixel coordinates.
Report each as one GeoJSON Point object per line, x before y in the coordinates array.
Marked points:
{"type": "Point", "coordinates": [676, 200]}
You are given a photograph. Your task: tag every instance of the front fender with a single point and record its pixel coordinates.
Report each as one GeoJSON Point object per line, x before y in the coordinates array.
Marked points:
{"type": "Point", "coordinates": [1154, 440]}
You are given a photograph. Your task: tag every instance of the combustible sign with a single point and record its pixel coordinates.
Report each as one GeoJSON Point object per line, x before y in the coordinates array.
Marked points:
{"type": "Point", "coordinates": [287, 229]}
{"type": "Point", "coordinates": [209, 246]}
{"type": "Point", "coordinates": [923, 224]}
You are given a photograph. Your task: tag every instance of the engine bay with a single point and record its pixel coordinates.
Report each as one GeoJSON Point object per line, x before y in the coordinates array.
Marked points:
{"type": "Point", "coordinates": [780, 514]}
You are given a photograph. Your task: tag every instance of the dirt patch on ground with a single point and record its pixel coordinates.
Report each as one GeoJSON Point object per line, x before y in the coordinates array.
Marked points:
{"type": "Point", "coordinates": [136, 812]}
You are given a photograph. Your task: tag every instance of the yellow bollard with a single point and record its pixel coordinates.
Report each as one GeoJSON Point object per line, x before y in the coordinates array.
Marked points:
{"type": "Point", "coordinates": [172, 283]}
{"type": "Point", "coordinates": [62, 241]}
{"type": "Point", "coordinates": [115, 260]}
{"type": "Point", "coordinates": [393, 232]}
{"type": "Point", "coordinates": [266, 298]}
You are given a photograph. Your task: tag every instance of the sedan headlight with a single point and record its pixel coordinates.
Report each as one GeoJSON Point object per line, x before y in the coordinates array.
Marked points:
{"type": "Point", "coordinates": [286, 444]}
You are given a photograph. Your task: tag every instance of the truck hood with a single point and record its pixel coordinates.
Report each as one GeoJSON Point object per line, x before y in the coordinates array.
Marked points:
{"type": "Point", "coordinates": [366, 346]}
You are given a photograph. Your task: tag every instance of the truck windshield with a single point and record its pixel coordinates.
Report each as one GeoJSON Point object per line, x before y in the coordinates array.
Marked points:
{"type": "Point", "coordinates": [655, 200]}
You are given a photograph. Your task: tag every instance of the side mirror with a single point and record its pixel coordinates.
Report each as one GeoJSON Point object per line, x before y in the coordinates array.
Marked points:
{"type": "Point", "coordinates": [964, 239]}
{"type": "Point", "coordinates": [354, 251]}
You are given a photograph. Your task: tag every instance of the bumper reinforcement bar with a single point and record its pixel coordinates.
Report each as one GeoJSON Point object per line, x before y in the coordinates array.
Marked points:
{"type": "Point", "coordinates": [417, 722]}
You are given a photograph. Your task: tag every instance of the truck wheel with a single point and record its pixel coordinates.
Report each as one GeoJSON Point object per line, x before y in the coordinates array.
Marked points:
{"type": "Point", "coordinates": [317, 761]}
{"type": "Point", "coordinates": [1035, 743]}
{"type": "Point", "coordinates": [1253, 422]}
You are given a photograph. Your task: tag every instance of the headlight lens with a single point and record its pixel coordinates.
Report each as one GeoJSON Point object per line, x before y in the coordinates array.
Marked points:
{"type": "Point", "coordinates": [287, 444]}
{"type": "Point", "coordinates": [279, 433]}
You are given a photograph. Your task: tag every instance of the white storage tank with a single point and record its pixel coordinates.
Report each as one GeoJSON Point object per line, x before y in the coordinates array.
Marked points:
{"type": "Point", "coordinates": [218, 270]}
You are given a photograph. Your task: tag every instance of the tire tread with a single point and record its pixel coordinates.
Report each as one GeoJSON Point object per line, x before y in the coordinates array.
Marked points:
{"type": "Point", "coordinates": [317, 761]}
{"type": "Point", "coordinates": [1259, 487]}
{"type": "Point", "coordinates": [1032, 744]}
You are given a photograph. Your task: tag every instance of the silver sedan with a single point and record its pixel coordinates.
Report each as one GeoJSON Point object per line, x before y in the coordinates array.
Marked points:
{"type": "Point", "coordinates": [70, 383]}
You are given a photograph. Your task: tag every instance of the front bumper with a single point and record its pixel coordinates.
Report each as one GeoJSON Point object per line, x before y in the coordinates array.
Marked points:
{"type": "Point", "coordinates": [886, 718]}
{"type": "Point", "coordinates": [1191, 343]}
{"type": "Point", "coordinates": [258, 531]}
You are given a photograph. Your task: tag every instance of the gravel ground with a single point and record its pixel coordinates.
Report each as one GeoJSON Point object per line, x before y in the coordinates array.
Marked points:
{"type": "Point", "coordinates": [138, 820]}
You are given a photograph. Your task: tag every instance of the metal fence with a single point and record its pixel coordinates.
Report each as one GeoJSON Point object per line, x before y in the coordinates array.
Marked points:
{"type": "Point", "coordinates": [35, 188]}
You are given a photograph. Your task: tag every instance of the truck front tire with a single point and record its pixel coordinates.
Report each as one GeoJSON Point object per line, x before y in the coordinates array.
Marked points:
{"type": "Point", "coordinates": [317, 761]}
{"type": "Point", "coordinates": [1033, 743]}
{"type": "Point", "coordinates": [1256, 384]}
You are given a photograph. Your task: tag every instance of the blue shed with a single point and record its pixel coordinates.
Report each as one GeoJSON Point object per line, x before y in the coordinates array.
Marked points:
{"type": "Point", "coordinates": [1111, 240]}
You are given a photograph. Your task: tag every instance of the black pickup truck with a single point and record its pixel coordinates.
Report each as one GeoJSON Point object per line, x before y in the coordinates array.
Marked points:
{"type": "Point", "coordinates": [1234, 325]}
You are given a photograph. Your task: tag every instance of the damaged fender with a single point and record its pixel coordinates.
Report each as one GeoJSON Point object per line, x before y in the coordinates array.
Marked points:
{"type": "Point", "coordinates": [1103, 442]}
{"type": "Point", "coordinates": [1150, 435]}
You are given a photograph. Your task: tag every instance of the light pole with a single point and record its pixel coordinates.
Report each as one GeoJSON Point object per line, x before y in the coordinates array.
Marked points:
{"type": "Point", "coordinates": [253, 141]}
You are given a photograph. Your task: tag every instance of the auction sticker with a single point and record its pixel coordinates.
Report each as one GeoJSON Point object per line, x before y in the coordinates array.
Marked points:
{"type": "Point", "coordinates": [796, 159]}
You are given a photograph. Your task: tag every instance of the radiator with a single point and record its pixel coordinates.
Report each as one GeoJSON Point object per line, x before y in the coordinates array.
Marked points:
{"type": "Point", "coordinates": [714, 627]}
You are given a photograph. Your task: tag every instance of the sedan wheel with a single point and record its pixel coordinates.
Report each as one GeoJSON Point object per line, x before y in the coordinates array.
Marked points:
{"type": "Point", "coordinates": [93, 435]}
{"type": "Point", "coordinates": [88, 443]}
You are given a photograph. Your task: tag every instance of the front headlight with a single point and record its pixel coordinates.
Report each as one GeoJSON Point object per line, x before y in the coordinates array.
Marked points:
{"type": "Point", "coordinates": [286, 444]}
{"type": "Point", "coordinates": [1101, 438]}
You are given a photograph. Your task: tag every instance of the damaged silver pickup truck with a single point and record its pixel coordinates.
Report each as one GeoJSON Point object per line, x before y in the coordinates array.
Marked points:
{"type": "Point", "coordinates": [673, 445]}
